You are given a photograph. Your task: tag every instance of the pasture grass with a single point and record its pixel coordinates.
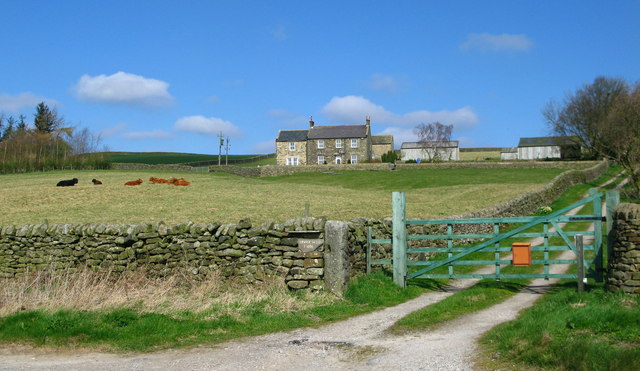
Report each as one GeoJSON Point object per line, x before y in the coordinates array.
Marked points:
{"type": "Point", "coordinates": [33, 198]}
{"type": "Point", "coordinates": [480, 156]}
{"type": "Point", "coordinates": [153, 314]}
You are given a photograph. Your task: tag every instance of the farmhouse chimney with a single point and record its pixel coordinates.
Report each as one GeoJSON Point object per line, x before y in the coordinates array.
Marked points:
{"type": "Point", "coordinates": [311, 123]}
{"type": "Point", "coordinates": [367, 120]}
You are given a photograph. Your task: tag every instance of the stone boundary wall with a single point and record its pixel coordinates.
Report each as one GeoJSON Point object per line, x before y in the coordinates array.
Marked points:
{"type": "Point", "coordinates": [624, 250]}
{"type": "Point", "coordinates": [158, 167]}
{"type": "Point", "coordinates": [276, 170]}
{"type": "Point", "coordinates": [240, 250]}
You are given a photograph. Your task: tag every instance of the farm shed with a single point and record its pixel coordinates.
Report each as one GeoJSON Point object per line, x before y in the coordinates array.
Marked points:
{"type": "Point", "coordinates": [442, 150]}
{"type": "Point", "coordinates": [548, 147]}
{"type": "Point", "coordinates": [510, 153]}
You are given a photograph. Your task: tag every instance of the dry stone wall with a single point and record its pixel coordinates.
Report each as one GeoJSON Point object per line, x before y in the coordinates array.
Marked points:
{"type": "Point", "coordinates": [624, 259]}
{"type": "Point", "coordinates": [245, 252]}
{"type": "Point", "coordinates": [276, 170]}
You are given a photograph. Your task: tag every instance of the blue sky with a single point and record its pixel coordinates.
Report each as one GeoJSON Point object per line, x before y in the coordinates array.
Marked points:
{"type": "Point", "coordinates": [170, 75]}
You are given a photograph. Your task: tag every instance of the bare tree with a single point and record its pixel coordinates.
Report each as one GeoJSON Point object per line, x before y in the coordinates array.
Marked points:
{"type": "Point", "coordinates": [621, 134]}
{"type": "Point", "coordinates": [432, 137]}
{"type": "Point", "coordinates": [582, 112]}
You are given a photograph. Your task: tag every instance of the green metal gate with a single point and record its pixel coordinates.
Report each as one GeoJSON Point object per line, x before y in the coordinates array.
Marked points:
{"type": "Point", "coordinates": [517, 227]}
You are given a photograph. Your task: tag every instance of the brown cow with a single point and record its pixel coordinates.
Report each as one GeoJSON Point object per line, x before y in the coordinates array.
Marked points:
{"type": "Point", "coordinates": [133, 182]}
{"type": "Point", "coordinates": [181, 182]}
{"type": "Point", "coordinates": [155, 180]}
{"type": "Point", "coordinates": [96, 181]}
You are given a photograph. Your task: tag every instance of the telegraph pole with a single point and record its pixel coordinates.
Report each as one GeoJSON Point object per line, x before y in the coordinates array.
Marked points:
{"type": "Point", "coordinates": [226, 158]}
{"type": "Point", "coordinates": [220, 148]}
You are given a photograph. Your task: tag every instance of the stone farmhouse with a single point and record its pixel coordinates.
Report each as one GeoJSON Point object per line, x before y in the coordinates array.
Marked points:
{"type": "Point", "coordinates": [331, 144]}
{"type": "Point", "coordinates": [442, 150]}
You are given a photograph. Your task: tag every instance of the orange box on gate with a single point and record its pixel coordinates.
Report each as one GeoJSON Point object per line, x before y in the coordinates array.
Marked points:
{"type": "Point", "coordinates": [521, 252]}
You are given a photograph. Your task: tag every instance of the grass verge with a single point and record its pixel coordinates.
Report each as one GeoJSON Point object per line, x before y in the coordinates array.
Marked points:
{"type": "Point", "coordinates": [137, 313]}
{"type": "Point", "coordinates": [565, 330]}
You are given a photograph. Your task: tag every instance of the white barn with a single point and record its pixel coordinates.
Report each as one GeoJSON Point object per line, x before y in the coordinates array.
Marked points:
{"type": "Point", "coordinates": [547, 147]}
{"type": "Point", "coordinates": [443, 151]}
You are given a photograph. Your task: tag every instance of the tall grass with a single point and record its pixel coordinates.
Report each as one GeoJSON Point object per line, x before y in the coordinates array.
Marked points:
{"type": "Point", "coordinates": [135, 312]}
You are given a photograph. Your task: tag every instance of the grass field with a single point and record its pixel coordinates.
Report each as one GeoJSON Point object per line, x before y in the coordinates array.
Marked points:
{"type": "Point", "coordinates": [431, 193]}
{"type": "Point", "coordinates": [479, 156]}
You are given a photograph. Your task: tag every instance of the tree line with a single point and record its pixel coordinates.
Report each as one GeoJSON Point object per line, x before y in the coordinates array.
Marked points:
{"type": "Point", "coordinates": [47, 143]}
{"type": "Point", "coordinates": [604, 116]}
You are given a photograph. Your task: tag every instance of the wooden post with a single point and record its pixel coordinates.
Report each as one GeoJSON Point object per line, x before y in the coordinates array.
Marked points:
{"type": "Point", "coordinates": [612, 201]}
{"type": "Point", "coordinates": [580, 258]}
{"type": "Point", "coordinates": [598, 264]}
{"type": "Point", "coordinates": [306, 209]}
{"type": "Point", "coordinates": [399, 239]}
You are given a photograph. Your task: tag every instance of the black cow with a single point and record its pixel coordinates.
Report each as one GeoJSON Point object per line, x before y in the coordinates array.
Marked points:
{"type": "Point", "coordinates": [67, 183]}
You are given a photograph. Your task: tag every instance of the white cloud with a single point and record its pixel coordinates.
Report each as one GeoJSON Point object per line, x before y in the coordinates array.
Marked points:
{"type": "Point", "coordinates": [154, 134]}
{"type": "Point", "coordinates": [268, 146]}
{"type": "Point", "coordinates": [400, 135]}
{"type": "Point", "coordinates": [496, 43]}
{"type": "Point", "coordinates": [15, 103]}
{"type": "Point", "coordinates": [123, 88]}
{"type": "Point", "coordinates": [114, 130]}
{"type": "Point", "coordinates": [353, 110]}
{"type": "Point", "coordinates": [380, 82]}
{"type": "Point", "coordinates": [279, 33]}
{"type": "Point", "coordinates": [207, 125]}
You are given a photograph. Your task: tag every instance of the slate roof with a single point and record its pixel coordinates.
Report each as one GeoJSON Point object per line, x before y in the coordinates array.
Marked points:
{"type": "Point", "coordinates": [338, 131]}
{"type": "Point", "coordinates": [548, 141]}
{"type": "Point", "coordinates": [442, 144]}
{"type": "Point", "coordinates": [381, 139]}
{"type": "Point", "coordinates": [292, 136]}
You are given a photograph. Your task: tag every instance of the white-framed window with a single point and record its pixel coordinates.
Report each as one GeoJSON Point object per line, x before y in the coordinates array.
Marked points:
{"type": "Point", "coordinates": [338, 143]}
{"type": "Point", "coordinates": [320, 143]}
{"type": "Point", "coordinates": [338, 160]}
{"type": "Point", "coordinates": [354, 159]}
{"type": "Point", "coordinates": [292, 161]}
{"type": "Point", "coordinates": [354, 143]}
{"type": "Point", "coordinates": [320, 160]}
{"type": "Point", "coordinates": [292, 146]}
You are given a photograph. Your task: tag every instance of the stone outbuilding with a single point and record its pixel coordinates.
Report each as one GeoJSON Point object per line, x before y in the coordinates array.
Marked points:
{"type": "Point", "coordinates": [380, 144]}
